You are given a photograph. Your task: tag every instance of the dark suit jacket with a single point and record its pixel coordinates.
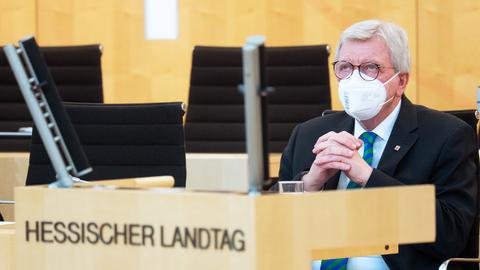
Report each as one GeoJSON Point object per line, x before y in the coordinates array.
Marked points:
{"type": "Point", "coordinates": [435, 148]}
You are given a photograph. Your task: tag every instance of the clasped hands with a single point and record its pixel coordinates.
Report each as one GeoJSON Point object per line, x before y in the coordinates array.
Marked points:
{"type": "Point", "coordinates": [336, 152]}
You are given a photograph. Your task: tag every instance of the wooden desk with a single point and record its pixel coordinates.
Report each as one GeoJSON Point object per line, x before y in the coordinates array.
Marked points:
{"type": "Point", "coordinates": [226, 172]}
{"type": "Point", "coordinates": [13, 172]}
{"type": "Point", "coordinates": [275, 231]}
{"type": "Point", "coordinates": [214, 168]}
{"type": "Point", "coordinates": [7, 245]}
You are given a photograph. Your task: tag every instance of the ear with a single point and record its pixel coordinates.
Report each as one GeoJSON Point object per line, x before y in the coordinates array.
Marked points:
{"type": "Point", "coordinates": [402, 83]}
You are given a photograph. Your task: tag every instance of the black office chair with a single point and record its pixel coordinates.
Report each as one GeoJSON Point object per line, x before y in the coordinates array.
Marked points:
{"type": "Point", "coordinates": [77, 73]}
{"type": "Point", "coordinates": [469, 258]}
{"type": "Point", "coordinates": [470, 117]}
{"type": "Point", "coordinates": [121, 141]}
{"type": "Point", "coordinates": [215, 115]}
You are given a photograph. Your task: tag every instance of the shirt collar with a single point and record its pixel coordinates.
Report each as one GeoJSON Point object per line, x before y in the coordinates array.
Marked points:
{"type": "Point", "coordinates": [384, 129]}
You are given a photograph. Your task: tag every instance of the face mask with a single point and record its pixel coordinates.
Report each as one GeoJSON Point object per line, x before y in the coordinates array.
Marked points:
{"type": "Point", "coordinates": [363, 99]}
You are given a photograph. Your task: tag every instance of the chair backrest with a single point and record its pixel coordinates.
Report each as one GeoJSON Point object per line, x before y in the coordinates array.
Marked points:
{"type": "Point", "coordinates": [468, 116]}
{"type": "Point", "coordinates": [121, 141]}
{"type": "Point", "coordinates": [215, 115]}
{"type": "Point", "coordinates": [472, 248]}
{"type": "Point", "coordinates": [77, 73]}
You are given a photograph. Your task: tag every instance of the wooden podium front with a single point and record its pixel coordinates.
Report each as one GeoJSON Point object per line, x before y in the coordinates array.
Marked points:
{"type": "Point", "coordinates": [13, 168]}
{"type": "Point", "coordinates": [173, 229]}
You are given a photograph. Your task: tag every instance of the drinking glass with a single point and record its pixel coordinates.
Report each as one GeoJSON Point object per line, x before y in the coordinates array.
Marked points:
{"type": "Point", "coordinates": [290, 186]}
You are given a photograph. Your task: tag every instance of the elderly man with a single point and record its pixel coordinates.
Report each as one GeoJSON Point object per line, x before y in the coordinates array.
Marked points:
{"type": "Point", "coordinates": [382, 140]}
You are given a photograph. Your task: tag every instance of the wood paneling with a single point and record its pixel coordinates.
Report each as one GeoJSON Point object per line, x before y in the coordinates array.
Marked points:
{"type": "Point", "coordinates": [449, 72]}
{"type": "Point", "coordinates": [17, 19]}
{"type": "Point", "coordinates": [278, 231]}
{"type": "Point", "coordinates": [136, 70]}
{"type": "Point", "coordinates": [442, 37]}
{"type": "Point", "coordinates": [13, 168]}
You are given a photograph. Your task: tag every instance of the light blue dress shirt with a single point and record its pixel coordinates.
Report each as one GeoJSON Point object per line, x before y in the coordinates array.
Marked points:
{"type": "Point", "coordinates": [383, 131]}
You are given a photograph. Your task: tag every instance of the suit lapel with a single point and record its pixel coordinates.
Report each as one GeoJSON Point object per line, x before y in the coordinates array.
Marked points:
{"type": "Point", "coordinates": [401, 138]}
{"type": "Point", "coordinates": [347, 124]}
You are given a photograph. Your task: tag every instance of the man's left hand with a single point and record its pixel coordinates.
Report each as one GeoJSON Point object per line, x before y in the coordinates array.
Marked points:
{"type": "Point", "coordinates": [359, 171]}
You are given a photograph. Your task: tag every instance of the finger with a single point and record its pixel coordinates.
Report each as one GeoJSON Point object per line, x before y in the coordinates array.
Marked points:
{"type": "Point", "coordinates": [338, 150]}
{"type": "Point", "coordinates": [320, 160]}
{"type": "Point", "coordinates": [325, 137]}
{"type": "Point", "coordinates": [359, 143]}
{"type": "Point", "coordinates": [356, 142]}
{"type": "Point", "coordinates": [343, 138]}
{"type": "Point", "coordinates": [336, 166]}
{"type": "Point", "coordinates": [330, 144]}
{"type": "Point", "coordinates": [324, 145]}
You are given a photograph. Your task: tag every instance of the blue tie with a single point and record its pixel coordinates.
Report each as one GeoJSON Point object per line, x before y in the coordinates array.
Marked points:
{"type": "Point", "coordinates": [334, 264]}
{"type": "Point", "coordinates": [368, 138]}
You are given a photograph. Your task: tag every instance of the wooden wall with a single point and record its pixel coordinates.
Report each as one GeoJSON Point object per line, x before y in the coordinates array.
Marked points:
{"type": "Point", "coordinates": [442, 35]}
{"type": "Point", "coordinates": [448, 43]}
{"type": "Point", "coordinates": [17, 19]}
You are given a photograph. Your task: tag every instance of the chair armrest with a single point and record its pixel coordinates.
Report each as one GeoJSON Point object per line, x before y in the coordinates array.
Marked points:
{"type": "Point", "coordinates": [444, 265]}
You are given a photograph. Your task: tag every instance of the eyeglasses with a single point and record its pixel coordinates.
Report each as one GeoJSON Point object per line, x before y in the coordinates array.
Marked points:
{"type": "Point", "coordinates": [368, 71]}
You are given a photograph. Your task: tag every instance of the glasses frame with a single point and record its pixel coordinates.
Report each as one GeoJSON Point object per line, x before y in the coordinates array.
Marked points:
{"type": "Point", "coordinates": [379, 68]}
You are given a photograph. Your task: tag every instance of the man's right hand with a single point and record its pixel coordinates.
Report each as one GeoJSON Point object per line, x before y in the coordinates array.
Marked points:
{"type": "Point", "coordinates": [332, 150]}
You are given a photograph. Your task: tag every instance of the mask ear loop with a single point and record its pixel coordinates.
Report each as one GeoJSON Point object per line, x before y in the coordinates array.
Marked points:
{"type": "Point", "coordinates": [393, 77]}
{"type": "Point", "coordinates": [389, 80]}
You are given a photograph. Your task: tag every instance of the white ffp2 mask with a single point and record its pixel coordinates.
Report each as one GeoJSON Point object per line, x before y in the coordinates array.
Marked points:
{"type": "Point", "coordinates": [363, 99]}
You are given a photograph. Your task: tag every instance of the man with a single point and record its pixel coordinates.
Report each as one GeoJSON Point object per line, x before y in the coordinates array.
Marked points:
{"type": "Point", "coordinates": [401, 144]}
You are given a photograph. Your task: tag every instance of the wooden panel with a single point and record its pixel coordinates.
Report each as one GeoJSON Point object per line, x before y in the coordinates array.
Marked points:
{"type": "Point", "coordinates": [222, 172]}
{"type": "Point", "coordinates": [449, 72]}
{"type": "Point", "coordinates": [7, 246]}
{"type": "Point", "coordinates": [13, 168]}
{"type": "Point", "coordinates": [177, 229]}
{"type": "Point", "coordinates": [17, 20]}
{"type": "Point", "coordinates": [136, 70]}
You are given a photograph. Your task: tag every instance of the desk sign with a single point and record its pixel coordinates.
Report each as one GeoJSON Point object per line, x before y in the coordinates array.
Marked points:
{"type": "Point", "coordinates": [173, 229]}
{"type": "Point", "coordinates": [134, 234]}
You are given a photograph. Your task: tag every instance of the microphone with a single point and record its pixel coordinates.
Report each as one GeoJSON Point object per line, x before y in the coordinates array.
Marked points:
{"type": "Point", "coordinates": [477, 112]}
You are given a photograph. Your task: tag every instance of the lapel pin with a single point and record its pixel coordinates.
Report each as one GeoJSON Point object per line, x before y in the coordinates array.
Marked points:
{"type": "Point", "coordinates": [396, 148]}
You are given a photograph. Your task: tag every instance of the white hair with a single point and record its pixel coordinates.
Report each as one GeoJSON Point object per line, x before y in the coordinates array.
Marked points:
{"type": "Point", "coordinates": [395, 38]}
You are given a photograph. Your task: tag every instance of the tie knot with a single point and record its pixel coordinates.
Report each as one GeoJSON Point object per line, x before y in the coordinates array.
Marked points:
{"type": "Point", "coordinates": [368, 137]}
